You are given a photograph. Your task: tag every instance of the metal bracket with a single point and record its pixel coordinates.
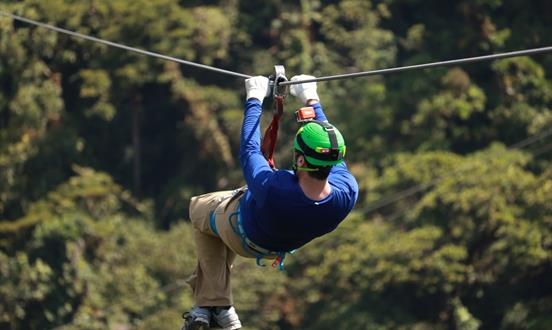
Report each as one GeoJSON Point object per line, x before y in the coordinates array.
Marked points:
{"type": "Point", "coordinates": [279, 76]}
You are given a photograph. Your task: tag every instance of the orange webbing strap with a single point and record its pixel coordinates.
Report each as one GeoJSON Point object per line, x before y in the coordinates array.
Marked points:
{"type": "Point", "coordinates": [271, 134]}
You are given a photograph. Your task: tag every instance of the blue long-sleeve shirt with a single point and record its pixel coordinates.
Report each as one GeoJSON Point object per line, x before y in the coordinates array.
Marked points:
{"type": "Point", "coordinates": [276, 214]}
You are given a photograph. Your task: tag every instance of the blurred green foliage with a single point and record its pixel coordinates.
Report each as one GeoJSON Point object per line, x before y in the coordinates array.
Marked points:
{"type": "Point", "coordinates": [101, 149]}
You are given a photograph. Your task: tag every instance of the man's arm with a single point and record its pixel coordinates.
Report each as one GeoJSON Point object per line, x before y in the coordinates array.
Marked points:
{"type": "Point", "coordinates": [319, 112]}
{"type": "Point", "coordinates": [255, 167]}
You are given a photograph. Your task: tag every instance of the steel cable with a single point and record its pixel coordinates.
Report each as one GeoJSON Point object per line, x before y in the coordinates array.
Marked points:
{"type": "Point", "coordinates": [525, 52]}
{"type": "Point", "coordinates": [425, 66]}
{"type": "Point", "coordinates": [121, 46]}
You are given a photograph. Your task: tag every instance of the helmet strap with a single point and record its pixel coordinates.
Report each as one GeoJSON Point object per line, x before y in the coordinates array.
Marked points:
{"type": "Point", "coordinates": [301, 168]}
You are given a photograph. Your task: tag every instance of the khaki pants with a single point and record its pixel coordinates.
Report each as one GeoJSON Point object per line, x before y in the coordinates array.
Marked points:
{"type": "Point", "coordinates": [210, 281]}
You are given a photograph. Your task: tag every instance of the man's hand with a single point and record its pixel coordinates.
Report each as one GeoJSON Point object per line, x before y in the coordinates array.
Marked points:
{"type": "Point", "coordinates": [257, 87]}
{"type": "Point", "coordinates": [305, 92]}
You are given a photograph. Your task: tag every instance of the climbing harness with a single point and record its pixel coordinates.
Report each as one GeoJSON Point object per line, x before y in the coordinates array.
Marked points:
{"type": "Point", "coordinates": [279, 93]}
{"type": "Point", "coordinates": [257, 251]}
{"type": "Point", "coordinates": [231, 198]}
{"type": "Point", "coordinates": [249, 246]}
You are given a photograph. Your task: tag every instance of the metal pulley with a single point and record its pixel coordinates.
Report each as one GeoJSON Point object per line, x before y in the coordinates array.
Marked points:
{"type": "Point", "coordinates": [275, 80]}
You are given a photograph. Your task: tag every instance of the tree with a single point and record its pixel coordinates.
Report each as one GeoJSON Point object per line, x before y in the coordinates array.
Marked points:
{"type": "Point", "coordinates": [101, 149]}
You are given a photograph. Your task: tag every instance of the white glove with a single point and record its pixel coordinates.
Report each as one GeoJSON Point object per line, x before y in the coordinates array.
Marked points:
{"type": "Point", "coordinates": [257, 87]}
{"type": "Point", "coordinates": [305, 91]}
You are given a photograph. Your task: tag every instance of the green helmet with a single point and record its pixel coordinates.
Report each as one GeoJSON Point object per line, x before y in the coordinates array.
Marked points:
{"type": "Point", "coordinates": [321, 143]}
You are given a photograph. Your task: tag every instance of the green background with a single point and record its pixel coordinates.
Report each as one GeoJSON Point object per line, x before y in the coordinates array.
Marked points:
{"type": "Point", "coordinates": [101, 149]}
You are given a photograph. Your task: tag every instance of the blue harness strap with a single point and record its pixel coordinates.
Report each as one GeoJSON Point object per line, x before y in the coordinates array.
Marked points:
{"type": "Point", "coordinates": [212, 223]}
{"type": "Point", "coordinates": [257, 251]}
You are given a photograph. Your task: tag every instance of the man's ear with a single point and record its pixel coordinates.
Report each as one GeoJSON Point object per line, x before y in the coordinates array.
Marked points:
{"type": "Point", "coordinates": [300, 161]}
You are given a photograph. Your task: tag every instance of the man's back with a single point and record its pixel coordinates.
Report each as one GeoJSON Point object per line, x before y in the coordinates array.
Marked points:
{"type": "Point", "coordinates": [288, 219]}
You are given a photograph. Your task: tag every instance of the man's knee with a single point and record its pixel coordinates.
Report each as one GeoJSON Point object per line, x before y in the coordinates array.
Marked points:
{"type": "Point", "coordinates": [199, 211]}
{"type": "Point", "coordinates": [201, 207]}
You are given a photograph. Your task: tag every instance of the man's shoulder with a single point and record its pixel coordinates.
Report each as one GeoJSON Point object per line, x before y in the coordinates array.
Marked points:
{"type": "Point", "coordinates": [283, 177]}
{"type": "Point", "coordinates": [340, 171]}
{"type": "Point", "coordinates": [342, 178]}
{"type": "Point", "coordinates": [282, 182]}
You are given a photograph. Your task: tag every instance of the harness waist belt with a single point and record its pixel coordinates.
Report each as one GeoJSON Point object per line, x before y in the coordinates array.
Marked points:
{"type": "Point", "coordinates": [256, 250]}
{"type": "Point", "coordinates": [252, 245]}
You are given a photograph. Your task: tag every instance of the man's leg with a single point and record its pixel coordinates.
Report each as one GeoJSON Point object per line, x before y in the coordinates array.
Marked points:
{"type": "Point", "coordinates": [211, 279]}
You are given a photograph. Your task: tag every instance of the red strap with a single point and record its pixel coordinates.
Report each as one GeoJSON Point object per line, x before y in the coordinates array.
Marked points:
{"type": "Point", "coordinates": [277, 262]}
{"type": "Point", "coordinates": [271, 134]}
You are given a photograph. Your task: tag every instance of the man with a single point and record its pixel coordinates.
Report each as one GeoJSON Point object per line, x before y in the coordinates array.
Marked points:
{"type": "Point", "coordinates": [277, 212]}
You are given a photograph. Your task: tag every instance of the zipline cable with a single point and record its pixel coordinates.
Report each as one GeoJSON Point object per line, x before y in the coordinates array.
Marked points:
{"type": "Point", "coordinates": [121, 46]}
{"type": "Point", "coordinates": [371, 207]}
{"type": "Point", "coordinates": [525, 52]}
{"type": "Point", "coordinates": [378, 204]}
{"type": "Point", "coordinates": [382, 202]}
{"type": "Point", "coordinates": [425, 66]}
